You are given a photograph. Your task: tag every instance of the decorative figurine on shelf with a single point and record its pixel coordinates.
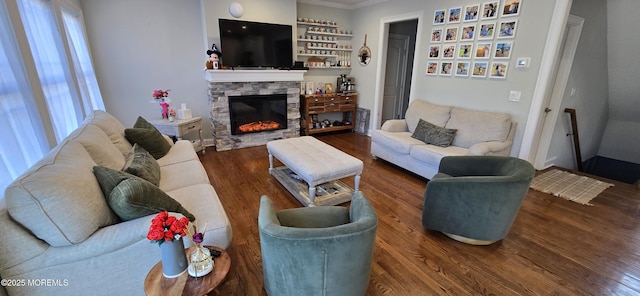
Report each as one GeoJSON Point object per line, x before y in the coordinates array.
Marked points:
{"type": "Point", "coordinates": [214, 58]}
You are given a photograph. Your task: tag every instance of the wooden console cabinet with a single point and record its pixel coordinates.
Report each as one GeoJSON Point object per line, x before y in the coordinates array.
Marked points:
{"type": "Point", "coordinates": [313, 105]}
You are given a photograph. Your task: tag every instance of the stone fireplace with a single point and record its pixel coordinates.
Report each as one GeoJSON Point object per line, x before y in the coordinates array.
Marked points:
{"type": "Point", "coordinates": [255, 84]}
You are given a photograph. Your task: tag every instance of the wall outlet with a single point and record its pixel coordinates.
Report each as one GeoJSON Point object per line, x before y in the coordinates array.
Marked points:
{"type": "Point", "coordinates": [514, 96]}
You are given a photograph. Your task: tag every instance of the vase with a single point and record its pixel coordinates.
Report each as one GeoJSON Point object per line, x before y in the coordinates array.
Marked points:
{"type": "Point", "coordinates": [200, 261]}
{"type": "Point", "coordinates": [174, 258]}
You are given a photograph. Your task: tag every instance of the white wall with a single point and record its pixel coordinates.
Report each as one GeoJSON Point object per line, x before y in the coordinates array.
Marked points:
{"type": "Point", "coordinates": [142, 45]}
{"type": "Point", "coordinates": [480, 94]}
{"type": "Point", "coordinates": [621, 139]}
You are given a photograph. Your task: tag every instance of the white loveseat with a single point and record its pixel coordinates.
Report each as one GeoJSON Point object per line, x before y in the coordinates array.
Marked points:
{"type": "Point", "coordinates": [57, 230]}
{"type": "Point", "coordinates": [478, 133]}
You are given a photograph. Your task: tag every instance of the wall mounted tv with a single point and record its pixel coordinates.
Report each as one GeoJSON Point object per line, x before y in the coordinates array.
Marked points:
{"type": "Point", "coordinates": [255, 45]}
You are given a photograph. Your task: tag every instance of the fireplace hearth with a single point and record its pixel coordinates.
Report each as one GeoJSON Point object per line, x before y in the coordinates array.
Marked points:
{"type": "Point", "coordinates": [257, 113]}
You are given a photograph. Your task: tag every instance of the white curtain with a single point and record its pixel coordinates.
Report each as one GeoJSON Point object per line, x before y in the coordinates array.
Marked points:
{"type": "Point", "coordinates": [70, 90]}
{"type": "Point", "coordinates": [48, 52]}
{"type": "Point", "coordinates": [23, 138]}
{"type": "Point", "coordinates": [87, 82]}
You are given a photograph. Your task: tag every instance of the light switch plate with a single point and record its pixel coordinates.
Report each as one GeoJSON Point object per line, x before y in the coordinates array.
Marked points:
{"type": "Point", "coordinates": [514, 96]}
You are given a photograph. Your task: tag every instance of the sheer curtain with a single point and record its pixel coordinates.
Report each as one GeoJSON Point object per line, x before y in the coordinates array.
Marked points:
{"type": "Point", "coordinates": [31, 119]}
{"type": "Point", "coordinates": [23, 138]}
{"type": "Point", "coordinates": [48, 52]}
{"type": "Point", "coordinates": [87, 82]}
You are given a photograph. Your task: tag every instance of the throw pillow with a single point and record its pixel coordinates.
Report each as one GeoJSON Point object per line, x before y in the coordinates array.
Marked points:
{"type": "Point", "coordinates": [147, 136]}
{"type": "Point", "coordinates": [140, 163]}
{"type": "Point", "coordinates": [132, 197]}
{"type": "Point", "coordinates": [434, 135]}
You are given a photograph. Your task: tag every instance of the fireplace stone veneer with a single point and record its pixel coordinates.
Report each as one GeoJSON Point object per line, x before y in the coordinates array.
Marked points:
{"type": "Point", "coordinates": [220, 88]}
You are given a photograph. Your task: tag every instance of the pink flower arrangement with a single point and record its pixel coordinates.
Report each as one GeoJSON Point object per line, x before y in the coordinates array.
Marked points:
{"type": "Point", "coordinates": [159, 94]}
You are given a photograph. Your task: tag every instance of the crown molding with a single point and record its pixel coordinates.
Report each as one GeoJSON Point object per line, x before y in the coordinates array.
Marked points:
{"type": "Point", "coordinates": [331, 4]}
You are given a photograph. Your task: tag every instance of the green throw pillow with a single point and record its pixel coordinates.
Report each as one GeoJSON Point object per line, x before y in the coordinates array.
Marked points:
{"type": "Point", "coordinates": [140, 163]}
{"type": "Point", "coordinates": [147, 136]}
{"type": "Point", "coordinates": [434, 135]}
{"type": "Point", "coordinates": [132, 197]}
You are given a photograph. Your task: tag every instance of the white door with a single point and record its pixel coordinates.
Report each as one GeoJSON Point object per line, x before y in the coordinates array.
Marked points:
{"type": "Point", "coordinates": [395, 77]}
{"type": "Point", "coordinates": [552, 128]}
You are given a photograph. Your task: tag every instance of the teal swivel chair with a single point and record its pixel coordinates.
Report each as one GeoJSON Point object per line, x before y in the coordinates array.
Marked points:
{"type": "Point", "coordinates": [475, 199]}
{"type": "Point", "coordinates": [325, 250]}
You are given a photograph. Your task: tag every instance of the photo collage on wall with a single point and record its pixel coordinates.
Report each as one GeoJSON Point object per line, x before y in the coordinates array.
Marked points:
{"type": "Point", "coordinates": [475, 40]}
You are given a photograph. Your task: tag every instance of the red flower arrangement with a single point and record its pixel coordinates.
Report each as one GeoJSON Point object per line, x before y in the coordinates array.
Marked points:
{"type": "Point", "coordinates": [167, 228]}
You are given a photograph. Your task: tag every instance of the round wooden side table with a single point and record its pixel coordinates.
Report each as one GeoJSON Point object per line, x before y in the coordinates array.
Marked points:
{"type": "Point", "coordinates": [157, 284]}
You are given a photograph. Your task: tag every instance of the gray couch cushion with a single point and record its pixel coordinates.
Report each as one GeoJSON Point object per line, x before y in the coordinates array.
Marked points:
{"type": "Point", "coordinates": [434, 135]}
{"type": "Point", "coordinates": [112, 127]}
{"type": "Point", "coordinates": [478, 126]}
{"type": "Point", "coordinates": [432, 155]}
{"type": "Point", "coordinates": [419, 109]}
{"type": "Point", "coordinates": [399, 142]}
{"type": "Point", "coordinates": [140, 163]}
{"type": "Point", "coordinates": [99, 146]}
{"type": "Point", "coordinates": [132, 197]}
{"type": "Point", "coordinates": [56, 188]}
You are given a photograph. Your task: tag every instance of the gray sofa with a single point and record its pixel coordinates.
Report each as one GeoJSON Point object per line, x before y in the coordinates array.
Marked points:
{"type": "Point", "coordinates": [56, 224]}
{"type": "Point", "coordinates": [478, 133]}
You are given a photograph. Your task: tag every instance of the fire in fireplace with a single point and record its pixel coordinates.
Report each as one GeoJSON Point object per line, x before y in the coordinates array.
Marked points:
{"type": "Point", "coordinates": [257, 113]}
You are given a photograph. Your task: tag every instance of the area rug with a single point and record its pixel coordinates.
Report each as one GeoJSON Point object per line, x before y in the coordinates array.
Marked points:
{"type": "Point", "coordinates": [327, 194]}
{"type": "Point", "coordinates": [580, 189]}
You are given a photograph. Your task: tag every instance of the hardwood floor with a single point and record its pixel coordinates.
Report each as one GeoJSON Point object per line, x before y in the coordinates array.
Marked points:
{"type": "Point", "coordinates": [555, 247]}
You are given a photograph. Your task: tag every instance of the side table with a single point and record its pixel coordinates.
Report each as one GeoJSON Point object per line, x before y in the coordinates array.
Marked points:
{"type": "Point", "coordinates": [157, 284]}
{"type": "Point", "coordinates": [180, 127]}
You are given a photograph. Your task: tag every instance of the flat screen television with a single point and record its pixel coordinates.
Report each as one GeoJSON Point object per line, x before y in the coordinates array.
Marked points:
{"type": "Point", "coordinates": [255, 45]}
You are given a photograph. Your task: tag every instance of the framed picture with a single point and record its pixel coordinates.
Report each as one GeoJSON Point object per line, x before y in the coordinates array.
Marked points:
{"type": "Point", "coordinates": [507, 29]}
{"type": "Point", "coordinates": [468, 33]}
{"type": "Point", "coordinates": [479, 69]}
{"type": "Point", "coordinates": [471, 13]}
{"type": "Point", "coordinates": [436, 35]}
{"type": "Point", "coordinates": [432, 68]}
{"type": "Point", "coordinates": [451, 34]}
{"type": "Point", "coordinates": [448, 51]}
{"type": "Point", "coordinates": [462, 68]}
{"type": "Point", "coordinates": [446, 68]}
{"type": "Point", "coordinates": [465, 50]}
{"type": "Point", "coordinates": [439, 16]}
{"type": "Point", "coordinates": [454, 15]}
{"type": "Point", "coordinates": [490, 10]}
{"type": "Point", "coordinates": [310, 88]}
{"type": "Point", "coordinates": [511, 7]}
{"type": "Point", "coordinates": [328, 88]}
{"type": "Point", "coordinates": [434, 51]}
{"type": "Point", "coordinates": [503, 50]}
{"type": "Point", "coordinates": [499, 70]}
{"type": "Point", "coordinates": [483, 50]}
{"type": "Point", "coordinates": [486, 31]}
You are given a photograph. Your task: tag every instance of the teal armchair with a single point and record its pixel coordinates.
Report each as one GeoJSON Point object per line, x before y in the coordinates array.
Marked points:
{"type": "Point", "coordinates": [324, 250]}
{"type": "Point", "coordinates": [475, 199]}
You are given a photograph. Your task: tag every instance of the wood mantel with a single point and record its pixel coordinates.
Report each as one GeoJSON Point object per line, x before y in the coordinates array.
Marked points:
{"type": "Point", "coordinates": [253, 75]}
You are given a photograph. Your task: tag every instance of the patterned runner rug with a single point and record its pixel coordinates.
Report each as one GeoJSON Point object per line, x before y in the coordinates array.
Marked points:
{"type": "Point", "coordinates": [569, 186]}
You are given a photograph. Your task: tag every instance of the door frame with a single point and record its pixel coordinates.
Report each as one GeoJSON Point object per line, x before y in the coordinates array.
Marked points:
{"type": "Point", "coordinates": [382, 59]}
{"type": "Point", "coordinates": [399, 103]}
{"type": "Point", "coordinates": [533, 127]}
{"type": "Point", "coordinates": [572, 38]}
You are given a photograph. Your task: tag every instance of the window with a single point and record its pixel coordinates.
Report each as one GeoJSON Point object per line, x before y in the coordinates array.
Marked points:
{"type": "Point", "coordinates": [47, 87]}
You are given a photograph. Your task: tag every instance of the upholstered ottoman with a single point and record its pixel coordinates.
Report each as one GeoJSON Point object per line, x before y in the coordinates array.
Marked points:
{"type": "Point", "coordinates": [314, 161]}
